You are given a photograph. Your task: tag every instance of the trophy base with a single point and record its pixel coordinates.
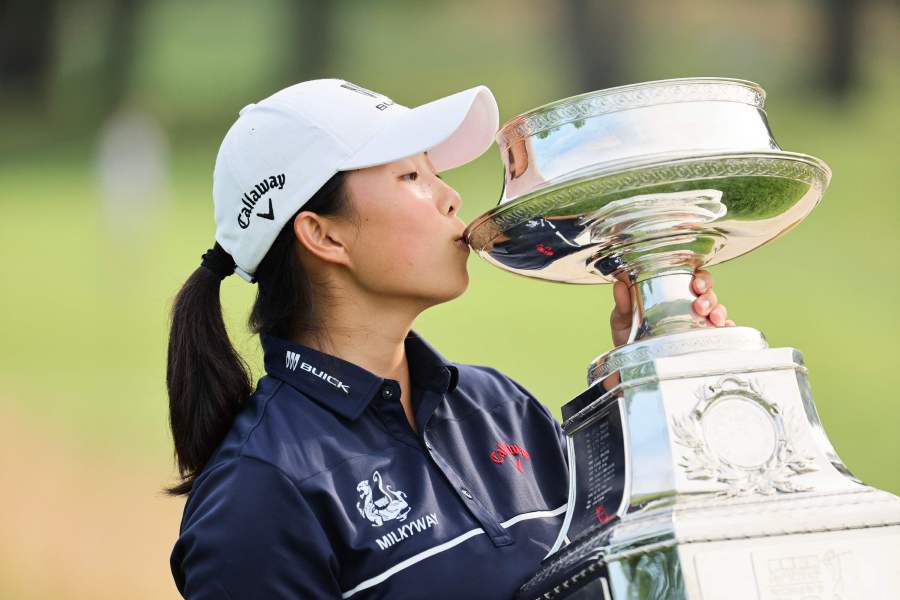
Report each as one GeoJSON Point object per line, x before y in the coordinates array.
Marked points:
{"type": "Point", "coordinates": [840, 563]}
{"type": "Point", "coordinates": [707, 475]}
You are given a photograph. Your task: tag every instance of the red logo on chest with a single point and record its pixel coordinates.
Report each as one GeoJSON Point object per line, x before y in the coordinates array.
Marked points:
{"type": "Point", "coordinates": [514, 452]}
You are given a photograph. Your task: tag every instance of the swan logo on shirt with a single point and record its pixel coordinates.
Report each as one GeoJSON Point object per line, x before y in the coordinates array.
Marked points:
{"type": "Point", "coordinates": [386, 505]}
{"type": "Point", "coordinates": [390, 504]}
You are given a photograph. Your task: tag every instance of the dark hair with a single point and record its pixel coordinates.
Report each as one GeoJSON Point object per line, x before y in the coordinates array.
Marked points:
{"type": "Point", "coordinates": [207, 379]}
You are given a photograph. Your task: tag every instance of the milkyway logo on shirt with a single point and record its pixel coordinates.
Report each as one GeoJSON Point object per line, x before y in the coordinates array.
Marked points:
{"type": "Point", "coordinates": [386, 505]}
{"type": "Point", "coordinates": [390, 504]}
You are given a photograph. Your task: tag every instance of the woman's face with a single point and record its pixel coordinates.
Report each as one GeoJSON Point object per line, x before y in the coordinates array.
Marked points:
{"type": "Point", "coordinates": [409, 233]}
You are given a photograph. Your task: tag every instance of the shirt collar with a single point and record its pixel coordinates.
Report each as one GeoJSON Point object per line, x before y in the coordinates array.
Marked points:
{"type": "Point", "coordinates": [345, 387]}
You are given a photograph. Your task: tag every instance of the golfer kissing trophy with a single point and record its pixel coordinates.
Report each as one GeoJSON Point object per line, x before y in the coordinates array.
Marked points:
{"type": "Point", "coordinates": [699, 468]}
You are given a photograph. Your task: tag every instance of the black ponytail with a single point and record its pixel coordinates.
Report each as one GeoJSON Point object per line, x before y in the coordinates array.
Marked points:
{"type": "Point", "coordinates": [207, 379]}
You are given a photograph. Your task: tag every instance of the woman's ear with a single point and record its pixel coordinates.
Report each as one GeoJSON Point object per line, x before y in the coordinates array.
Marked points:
{"type": "Point", "coordinates": [322, 236]}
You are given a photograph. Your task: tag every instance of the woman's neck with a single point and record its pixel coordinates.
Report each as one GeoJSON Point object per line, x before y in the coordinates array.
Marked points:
{"type": "Point", "coordinates": [368, 334]}
{"type": "Point", "coordinates": [375, 343]}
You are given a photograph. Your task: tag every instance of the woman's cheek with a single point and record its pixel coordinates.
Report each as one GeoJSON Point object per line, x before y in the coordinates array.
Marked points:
{"type": "Point", "coordinates": [399, 252]}
{"type": "Point", "coordinates": [414, 253]}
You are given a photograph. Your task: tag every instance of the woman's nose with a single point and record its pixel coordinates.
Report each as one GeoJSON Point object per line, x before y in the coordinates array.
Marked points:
{"type": "Point", "coordinates": [451, 201]}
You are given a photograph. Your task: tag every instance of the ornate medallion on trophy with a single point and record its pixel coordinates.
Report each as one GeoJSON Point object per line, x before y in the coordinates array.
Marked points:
{"type": "Point", "coordinates": [698, 465]}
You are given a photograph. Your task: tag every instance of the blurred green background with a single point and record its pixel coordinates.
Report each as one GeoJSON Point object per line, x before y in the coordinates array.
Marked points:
{"type": "Point", "coordinates": [106, 159]}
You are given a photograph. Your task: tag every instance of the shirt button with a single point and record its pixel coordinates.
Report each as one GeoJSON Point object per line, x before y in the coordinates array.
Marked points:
{"type": "Point", "coordinates": [428, 445]}
{"type": "Point", "coordinates": [466, 493]}
{"type": "Point", "coordinates": [387, 393]}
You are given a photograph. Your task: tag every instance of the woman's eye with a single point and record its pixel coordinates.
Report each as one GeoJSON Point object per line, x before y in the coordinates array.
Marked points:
{"type": "Point", "coordinates": [414, 175]}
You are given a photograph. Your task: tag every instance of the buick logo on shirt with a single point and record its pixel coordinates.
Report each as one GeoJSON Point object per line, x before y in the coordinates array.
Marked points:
{"type": "Point", "coordinates": [292, 361]}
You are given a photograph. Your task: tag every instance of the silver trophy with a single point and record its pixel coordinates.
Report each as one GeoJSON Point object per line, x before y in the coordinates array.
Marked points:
{"type": "Point", "coordinates": [699, 467]}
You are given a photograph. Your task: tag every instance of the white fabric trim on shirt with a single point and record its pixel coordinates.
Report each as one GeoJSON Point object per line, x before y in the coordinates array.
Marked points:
{"type": "Point", "coordinates": [372, 581]}
{"type": "Point", "coordinates": [573, 485]}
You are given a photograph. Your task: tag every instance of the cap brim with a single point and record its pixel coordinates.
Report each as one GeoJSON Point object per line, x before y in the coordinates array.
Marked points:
{"type": "Point", "coordinates": [453, 130]}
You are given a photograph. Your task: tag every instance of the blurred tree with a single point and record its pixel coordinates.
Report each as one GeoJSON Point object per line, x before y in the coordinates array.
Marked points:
{"type": "Point", "coordinates": [119, 58]}
{"type": "Point", "coordinates": [841, 65]}
{"type": "Point", "coordinates": [598, 33]}
{"type": "Point", "coordinates": [312, 34]}
{"type": "Point", "coordinates": [27, 39]}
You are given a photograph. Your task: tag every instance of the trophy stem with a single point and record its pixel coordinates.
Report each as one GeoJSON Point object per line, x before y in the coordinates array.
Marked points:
{"type": "Point", "coordinates": [662, 304]}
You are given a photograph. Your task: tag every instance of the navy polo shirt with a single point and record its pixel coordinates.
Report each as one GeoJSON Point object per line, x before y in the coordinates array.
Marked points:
{"type": "Point", "coordinates": [321, 489]}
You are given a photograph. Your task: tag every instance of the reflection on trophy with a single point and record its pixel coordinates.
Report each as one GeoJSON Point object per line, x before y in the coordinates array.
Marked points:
{"type": "Point", "coordinates": [698, 465]}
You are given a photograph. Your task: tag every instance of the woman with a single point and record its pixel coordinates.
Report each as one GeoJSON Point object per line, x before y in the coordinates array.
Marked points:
{"type": "Point", "coordinates": [364, 464]}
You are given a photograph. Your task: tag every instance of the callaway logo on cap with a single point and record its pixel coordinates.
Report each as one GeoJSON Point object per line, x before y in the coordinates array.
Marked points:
{"type": "Point", "coordinates": [282, 149]}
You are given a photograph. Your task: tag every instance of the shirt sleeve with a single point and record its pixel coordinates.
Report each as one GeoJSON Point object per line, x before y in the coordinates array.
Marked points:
{"type": "Point", "coordinates": [247, 532]}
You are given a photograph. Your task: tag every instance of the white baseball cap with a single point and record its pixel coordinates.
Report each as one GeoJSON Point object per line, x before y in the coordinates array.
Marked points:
{"type": "Point", "coordinates": [282, 149]}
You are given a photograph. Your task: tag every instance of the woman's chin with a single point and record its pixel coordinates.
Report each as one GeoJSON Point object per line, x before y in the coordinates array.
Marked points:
{"type": "Point", "coordinates": [460, 285]}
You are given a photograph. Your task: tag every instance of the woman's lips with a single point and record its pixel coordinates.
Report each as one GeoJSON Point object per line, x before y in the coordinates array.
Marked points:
{"type": "Point", "coordinates": [461, 243]}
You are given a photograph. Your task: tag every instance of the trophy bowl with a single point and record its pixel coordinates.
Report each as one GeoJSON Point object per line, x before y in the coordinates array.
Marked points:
{"type": "Point", "coordinates": [644, 183]}
{"type": "Point", "coordinates": [636, 180]}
